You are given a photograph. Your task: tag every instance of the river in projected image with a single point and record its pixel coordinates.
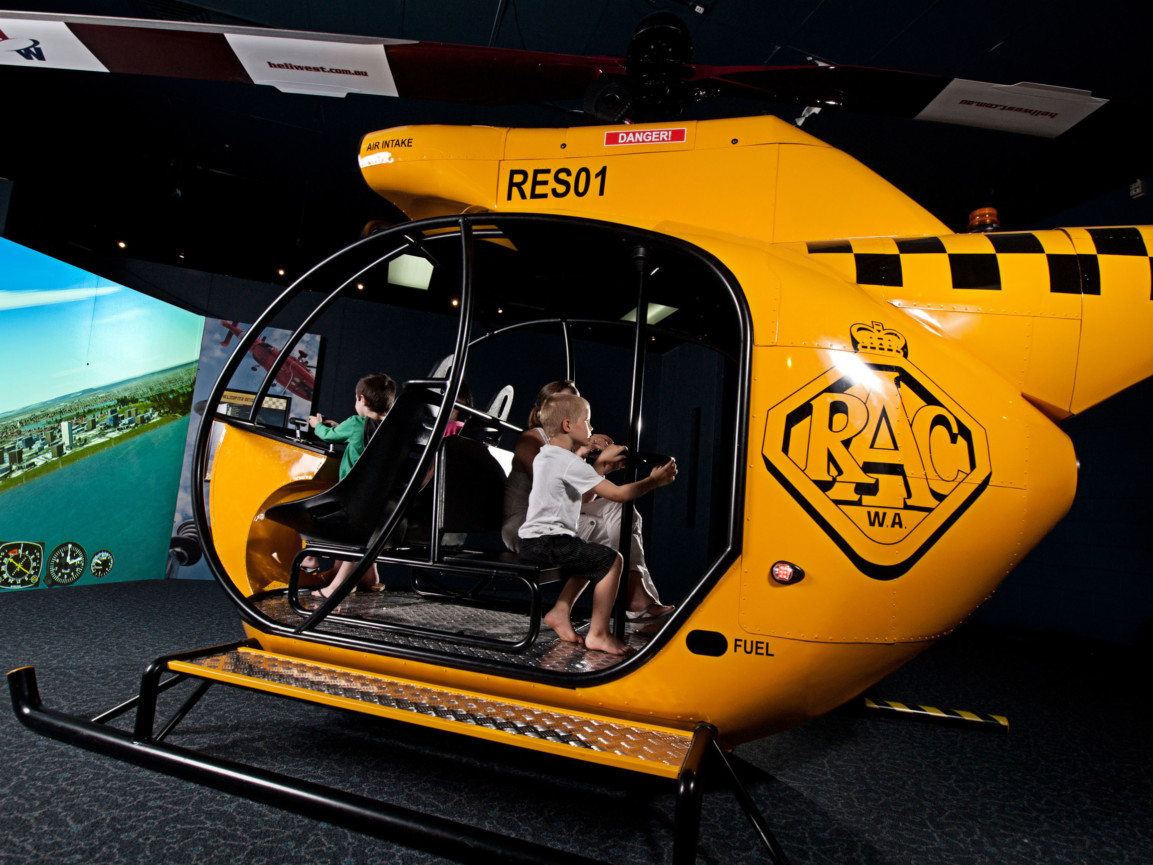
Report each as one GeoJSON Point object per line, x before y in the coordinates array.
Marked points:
{"type": "Point", "coordinates": [119, 501]}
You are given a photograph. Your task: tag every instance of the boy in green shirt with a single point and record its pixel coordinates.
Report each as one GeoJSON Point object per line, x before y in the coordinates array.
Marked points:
{"type": "Point", "coordinates": [375, 395]}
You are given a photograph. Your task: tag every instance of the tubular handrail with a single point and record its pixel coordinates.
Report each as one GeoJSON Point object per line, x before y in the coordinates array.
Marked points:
{"type": "Point", "coordinates": [342, 268]}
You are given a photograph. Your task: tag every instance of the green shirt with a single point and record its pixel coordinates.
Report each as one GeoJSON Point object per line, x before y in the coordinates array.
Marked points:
{"type": "Point", "coordinates": [351, 431]}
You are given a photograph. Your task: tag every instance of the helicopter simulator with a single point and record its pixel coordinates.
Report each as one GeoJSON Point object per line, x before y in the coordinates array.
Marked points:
{"type": "Point", "coordinates": [864, 407]}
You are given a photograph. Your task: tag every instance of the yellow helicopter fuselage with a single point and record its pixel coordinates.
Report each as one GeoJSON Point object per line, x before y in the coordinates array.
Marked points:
{"type": "Point", "coordinates": [904, 384]}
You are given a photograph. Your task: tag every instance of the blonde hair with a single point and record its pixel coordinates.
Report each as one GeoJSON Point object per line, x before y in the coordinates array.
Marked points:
{"type": "Point", "coordinates": [553, 387]}
{"type": "Point", "coordinates": [559, 407]}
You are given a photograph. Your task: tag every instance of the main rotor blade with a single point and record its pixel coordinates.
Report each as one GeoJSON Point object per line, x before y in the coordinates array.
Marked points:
{"type": "Point", "coordinates": [1030, 109]}
{"type": "Point", "coordinates": [295, 61]}
{"type": "Point", "coordinates": [336, 65]}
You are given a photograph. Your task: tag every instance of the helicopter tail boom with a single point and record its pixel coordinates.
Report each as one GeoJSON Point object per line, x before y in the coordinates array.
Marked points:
{"type": "Point", "coordinates": [1046, 309]}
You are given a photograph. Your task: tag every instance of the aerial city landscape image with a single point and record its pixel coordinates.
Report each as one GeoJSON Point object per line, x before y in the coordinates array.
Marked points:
{"type": "Point", "coordinates": [92, 432]}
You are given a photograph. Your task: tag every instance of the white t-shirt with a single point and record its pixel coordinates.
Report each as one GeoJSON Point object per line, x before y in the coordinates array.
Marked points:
{"type": "Point", "coordinates": [559, 479]}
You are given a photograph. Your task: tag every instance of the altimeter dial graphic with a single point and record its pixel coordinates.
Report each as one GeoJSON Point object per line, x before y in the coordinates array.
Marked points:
{"type": "Point", "coordinates": [66, 563]}
{"type": "Point", "coordinates": [21, 563]}
{"type": "Point", "coordinates": [101, 563]}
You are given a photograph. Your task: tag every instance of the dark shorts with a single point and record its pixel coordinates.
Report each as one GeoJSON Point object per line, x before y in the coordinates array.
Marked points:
{"type": "Point", "coordinates": [576, 558]}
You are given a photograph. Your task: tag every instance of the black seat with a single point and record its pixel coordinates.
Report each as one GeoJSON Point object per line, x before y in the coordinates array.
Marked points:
{"type": "Point", "coordinates": [470, 489]}
{"type": "Point", "coordinates": [488, 428]}
{"type": "Point", "coordinates": [349, 512]}
{"type": "Point", "coordinates": [467, 496]}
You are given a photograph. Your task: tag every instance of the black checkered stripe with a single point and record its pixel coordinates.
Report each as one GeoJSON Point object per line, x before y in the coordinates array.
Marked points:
{"type": "Point", "coordinates": [1070, 271]}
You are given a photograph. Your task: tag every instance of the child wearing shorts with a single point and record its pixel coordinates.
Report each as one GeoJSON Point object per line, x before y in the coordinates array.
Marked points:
{"type": "Point", "coordinates": [561, 479]}
{"type": "Point", "coordinates": [375, 395]}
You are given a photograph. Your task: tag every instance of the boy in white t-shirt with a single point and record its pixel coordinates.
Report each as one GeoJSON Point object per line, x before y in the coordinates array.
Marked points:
{"type": "Point", "coordinates": [561, 479]}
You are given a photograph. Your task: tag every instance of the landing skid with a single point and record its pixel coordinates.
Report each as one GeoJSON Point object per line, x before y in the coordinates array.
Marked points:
{"type": "Point", "coordinates": [703, 759]}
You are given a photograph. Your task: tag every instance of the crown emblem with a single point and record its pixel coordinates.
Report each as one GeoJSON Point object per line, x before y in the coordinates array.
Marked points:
{"type": "Point", "coordinates": [875, 338]}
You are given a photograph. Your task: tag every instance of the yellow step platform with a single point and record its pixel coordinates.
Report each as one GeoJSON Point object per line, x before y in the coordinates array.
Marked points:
{"type": "Point", "coordinates": [636, 747]}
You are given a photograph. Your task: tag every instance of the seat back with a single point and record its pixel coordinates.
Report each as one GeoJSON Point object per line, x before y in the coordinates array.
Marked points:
{"type": "Point", "coordinates": [350, 511]}
{"type": "Point", "coordinates": [471, 485]}
{"type": "Point", "coordinates": [488, 429]}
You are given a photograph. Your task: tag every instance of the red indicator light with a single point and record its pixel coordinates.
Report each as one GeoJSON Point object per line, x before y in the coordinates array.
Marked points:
{"type": "Point", "coordinates": [786, 573]}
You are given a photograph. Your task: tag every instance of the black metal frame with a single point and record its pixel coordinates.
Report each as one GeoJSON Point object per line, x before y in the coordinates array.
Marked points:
{"type": "Point", "coordinates": [365, 255]}
{"type": "Point", "coordinates": [460, 841]}
{"type": "Point", "coordinates": [504, 566]}
{"type": "Point", "coordinates": [147, 748]}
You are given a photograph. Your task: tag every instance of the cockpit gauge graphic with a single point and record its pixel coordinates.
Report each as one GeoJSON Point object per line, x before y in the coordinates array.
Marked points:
{"type": "Point", "coordinates": [66, 563]}
{"type": "Point", "coordinates": [20, 564]}
{"type": "Point", "coordinates": [101, 563]}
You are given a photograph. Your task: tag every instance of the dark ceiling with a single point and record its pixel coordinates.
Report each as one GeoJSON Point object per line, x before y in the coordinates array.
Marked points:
{"type": "Point", "coordinates": [244, 180]}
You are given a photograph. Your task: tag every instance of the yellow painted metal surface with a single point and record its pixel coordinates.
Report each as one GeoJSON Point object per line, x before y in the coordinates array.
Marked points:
{"type": "Point", "coordinates": [939, 450]}
{"type": "Point", "coordinates": [948, 452]}
{"type": "Point", "coordinates": [744, 176]}
{"type": "Point", "coordinates": [901, 444]}
{"type": "Point", "coordinates": [1048, 310]}
{"type": "Point", "coordinates": [641, 748]}
{"type": "Point", "coordinates": [251, 472]}
{"type": "Point", "coordinates": [756, 687]}
{"type": "Point", "coordinates": [1060, 314]}
{"type": "Point", "coordinates": [1002, 305]}
{"type": "Point", "coordinates": [1118, 312]}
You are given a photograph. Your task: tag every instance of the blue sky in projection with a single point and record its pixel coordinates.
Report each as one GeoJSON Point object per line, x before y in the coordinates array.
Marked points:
{"type": "Point", "coordinates": [66, 330]}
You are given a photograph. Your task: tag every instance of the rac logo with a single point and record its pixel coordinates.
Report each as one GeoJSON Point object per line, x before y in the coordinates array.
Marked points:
{"type": "Point", "coordinates": [881, 458]}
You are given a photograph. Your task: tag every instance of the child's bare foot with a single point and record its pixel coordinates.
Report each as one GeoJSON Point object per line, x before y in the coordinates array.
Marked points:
{"type": "Point", "coordinates": [561, 623]}
{"type": "Point", "coordinates": [607, 643]}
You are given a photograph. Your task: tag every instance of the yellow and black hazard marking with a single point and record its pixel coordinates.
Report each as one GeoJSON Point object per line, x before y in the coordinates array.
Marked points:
{"type": "Point", "coordinates": [932, 713]}
{"type": "Point", "coordinates": [987, 262]}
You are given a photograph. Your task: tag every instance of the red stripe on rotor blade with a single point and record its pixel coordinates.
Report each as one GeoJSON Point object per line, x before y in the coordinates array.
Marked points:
{"type": "Point", "coordinates": [171, 53]}
{"type": "Point", "coordinates": [492, 76]}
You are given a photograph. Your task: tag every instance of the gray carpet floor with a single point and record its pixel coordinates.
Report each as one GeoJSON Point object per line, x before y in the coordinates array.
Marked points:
{"type": "Point", "coordinates": [1071, 783]}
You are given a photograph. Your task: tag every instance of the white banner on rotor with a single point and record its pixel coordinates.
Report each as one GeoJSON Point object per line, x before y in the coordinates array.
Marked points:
{"type": "Point", "coordinates": [47, 44]}
{"type": "Point", "coordinates": [1030, 109]}
{"type": "Point", "coordinates": [319, 68]}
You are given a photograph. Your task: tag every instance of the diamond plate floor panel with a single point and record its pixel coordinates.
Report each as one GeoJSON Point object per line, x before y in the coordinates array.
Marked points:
{"type": "Point", "coordinates": [644, 748]}
{"type": "Point", "coordinates": [548, 653]}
